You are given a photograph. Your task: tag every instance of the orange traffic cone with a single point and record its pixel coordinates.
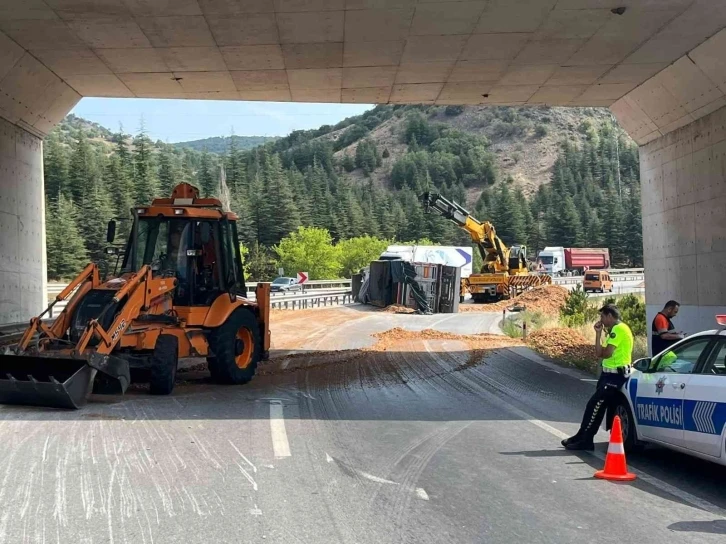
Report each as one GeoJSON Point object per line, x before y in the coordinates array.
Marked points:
{"type": "Point", "coordinates": [615, 466]}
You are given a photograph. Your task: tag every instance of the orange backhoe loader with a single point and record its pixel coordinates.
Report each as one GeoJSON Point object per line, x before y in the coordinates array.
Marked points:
{"type": "Point", "coordinates": [180, 292]}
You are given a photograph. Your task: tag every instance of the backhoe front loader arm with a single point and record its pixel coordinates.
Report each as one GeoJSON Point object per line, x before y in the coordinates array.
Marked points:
{"type": "Point", "coordinates": [138, 292]}
{"type": "Point", "coordinates": [56, 330]}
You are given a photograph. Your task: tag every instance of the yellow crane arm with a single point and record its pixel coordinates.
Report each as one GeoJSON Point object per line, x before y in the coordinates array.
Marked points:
{"type": "Point", "coordinates": [493, 251]}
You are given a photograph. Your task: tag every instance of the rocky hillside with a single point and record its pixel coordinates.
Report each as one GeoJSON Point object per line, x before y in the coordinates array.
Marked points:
{"type": "Point", "coordinates": [525, 141]}
{"type": "Point", "coordinates": [543, 176]}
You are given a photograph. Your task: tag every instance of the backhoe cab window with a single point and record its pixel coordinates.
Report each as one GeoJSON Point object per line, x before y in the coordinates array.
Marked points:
{"type": "Point", "coordinates": [161, 243]}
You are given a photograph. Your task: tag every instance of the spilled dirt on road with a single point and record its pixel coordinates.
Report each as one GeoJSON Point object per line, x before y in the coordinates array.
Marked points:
{"type": "Point", "coordinates": [547, 299]}
{"type": "Point", "coordinates": [291, 329]}
{"type": "Point", "coordinates": [396, 340]}
{"type": "Point", "coordinates": [565, 345]}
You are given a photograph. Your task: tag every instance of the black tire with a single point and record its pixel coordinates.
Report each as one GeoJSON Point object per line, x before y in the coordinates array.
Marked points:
{"type": "Point", "coordinates": [627, 422]}
{"type": "Point", "coordinates": [164, 364]}
{"type": "Point", "coordinates": [229, 348]}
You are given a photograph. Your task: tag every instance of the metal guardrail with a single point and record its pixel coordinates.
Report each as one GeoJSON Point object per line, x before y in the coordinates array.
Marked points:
{"type": "Point", "coordinates": [55, 288]}
{"type": "Point", "coordinates": [615, 279]}
{"type": "Point", "coordinates": [319, 289]}
{"type": "Point", "coordinates": [312, 300]}
{"type": "Point", "coordinates": [323, 295]}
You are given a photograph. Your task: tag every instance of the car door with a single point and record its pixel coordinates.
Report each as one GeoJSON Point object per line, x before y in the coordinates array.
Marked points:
{"type": "Point", "coordinates": [659, 393]}
{"type": "Point", "coordinates": [704, 404]}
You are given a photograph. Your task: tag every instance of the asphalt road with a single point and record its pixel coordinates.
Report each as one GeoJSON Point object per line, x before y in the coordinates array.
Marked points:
{"type": "Point", "coordinates": [411, 444]}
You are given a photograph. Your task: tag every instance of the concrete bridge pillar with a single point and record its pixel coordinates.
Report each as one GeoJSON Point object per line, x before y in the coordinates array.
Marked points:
{"type": "Point", "coordinates": [684, 220]}
{"type": "Point", "coordinates": [22, 224]}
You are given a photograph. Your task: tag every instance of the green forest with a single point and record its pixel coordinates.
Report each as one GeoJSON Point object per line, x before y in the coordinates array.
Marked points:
{"type": "Point", "coordinates": [314, 179]}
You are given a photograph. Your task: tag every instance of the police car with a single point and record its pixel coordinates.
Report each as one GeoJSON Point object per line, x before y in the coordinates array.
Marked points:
{"type": "Point", "coordinates": [677, 398]}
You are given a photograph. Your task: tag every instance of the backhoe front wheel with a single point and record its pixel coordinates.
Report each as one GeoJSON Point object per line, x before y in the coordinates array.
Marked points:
{"type": "Point", "coordinates": [164, 364]}
{"type": "Point", "coordinates": [237, 348]}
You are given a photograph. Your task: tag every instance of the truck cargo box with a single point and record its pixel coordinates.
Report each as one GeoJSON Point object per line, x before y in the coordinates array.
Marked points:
{"type": "Point", "coordinates": [592, 258]}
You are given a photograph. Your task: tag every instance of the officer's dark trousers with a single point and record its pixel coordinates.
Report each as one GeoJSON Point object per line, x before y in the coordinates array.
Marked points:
{"type": "Point", "coordinates": [605, 394]}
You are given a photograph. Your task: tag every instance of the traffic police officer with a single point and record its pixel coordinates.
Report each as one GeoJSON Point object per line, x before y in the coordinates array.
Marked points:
{"type": "Point", "coordinates": [616, 357]}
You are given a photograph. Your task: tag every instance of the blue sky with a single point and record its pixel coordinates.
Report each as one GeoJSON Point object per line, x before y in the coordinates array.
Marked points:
{"type": "Point", "coordinates": [183, 120]}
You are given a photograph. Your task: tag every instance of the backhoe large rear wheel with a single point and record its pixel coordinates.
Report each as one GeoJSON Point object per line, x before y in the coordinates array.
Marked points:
{"type": "Point", "coordinates": [237, 348]}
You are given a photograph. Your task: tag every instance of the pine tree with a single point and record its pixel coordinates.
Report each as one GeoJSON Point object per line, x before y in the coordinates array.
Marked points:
{"type": "Point", "coordinates": [507, 216]}
{"type": "Point", "coordinates": [207, 181]}
{"type": "Point", "coordinates": [282, 216]}
{"type": "Point", "coordinates": [145, 181]}
{"type": "Point", "coordinates": [120, 189]}
{"type": "Point", "coordinates": [594, 236]}
{"type": "Point", "coordinates": [564, 225]}
{"type": "Point", "coordinates": [96, 212]}
{"type": "Point", "coordinates": [56, 168]}
{"type": "Point", "coordinates": [82, 172]}
{"type": "Point", "coordinates": [234, 166]}
{"type": "Point", "coordinates": [348, 162]}
{"type": "Point", "coordinates": [168, 177]}
{"type": "Point", "coordinates": [66, 252]}
{"type": "Point", "coordinates": [634, 228]}
{"type": "Point", "coordinates": [614, 227]}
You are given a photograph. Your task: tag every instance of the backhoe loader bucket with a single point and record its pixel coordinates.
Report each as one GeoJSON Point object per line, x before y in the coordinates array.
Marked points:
{"type": "Point", "coordinates": [45, 381]}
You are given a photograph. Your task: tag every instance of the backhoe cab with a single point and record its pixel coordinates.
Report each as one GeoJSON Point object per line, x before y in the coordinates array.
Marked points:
{"type": "Point", "coordinates": [180, 292]}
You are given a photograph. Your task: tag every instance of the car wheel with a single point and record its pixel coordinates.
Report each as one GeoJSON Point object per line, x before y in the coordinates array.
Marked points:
{"type": "Point", "coordinates": [627, 423]}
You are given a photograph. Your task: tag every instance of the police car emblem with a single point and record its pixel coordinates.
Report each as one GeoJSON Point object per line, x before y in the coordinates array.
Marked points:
{"type": "Point", "coordinates": [659, 385]}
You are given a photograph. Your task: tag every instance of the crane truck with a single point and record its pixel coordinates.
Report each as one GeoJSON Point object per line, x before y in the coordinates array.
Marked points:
{"type": "Point", "coordinates": [505, 271]}
{"type": "Point", "coordinates": [180, 292]}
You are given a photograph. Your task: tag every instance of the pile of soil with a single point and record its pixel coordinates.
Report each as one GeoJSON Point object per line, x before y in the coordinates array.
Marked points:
{"type": "Point", "coordinates": [547, 299]}
{"type": "Point", "coordinates": [398, 309]}
{"type": "Point", "coordinates": [565, 345]}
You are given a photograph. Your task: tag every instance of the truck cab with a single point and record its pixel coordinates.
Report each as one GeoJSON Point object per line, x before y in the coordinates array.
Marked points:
{"type": "Point", "coordinates": [553, 260]}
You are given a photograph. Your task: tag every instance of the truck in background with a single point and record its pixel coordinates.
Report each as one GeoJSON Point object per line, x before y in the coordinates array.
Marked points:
{"type": "Point", "coordinates": [558, 261]}
{"type": "Point", "coordinates": [446, 255]}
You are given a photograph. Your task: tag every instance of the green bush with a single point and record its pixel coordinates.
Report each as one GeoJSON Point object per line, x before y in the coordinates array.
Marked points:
{"type": "Point", "coordinates": [540, 131]}
{"type": "Point", "coordinates": [512, 325]}
{"type": "Point", "coordinates": [632, 311]}
{"type": "Point", "coordinates": [452, 111]}
{"type": "Point", "coordinates": [577, 309]}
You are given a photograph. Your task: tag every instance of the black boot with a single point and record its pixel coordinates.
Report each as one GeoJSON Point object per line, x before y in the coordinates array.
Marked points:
{"type": "Point", "coordinates": [570, 440]}
{"type": "Point", "coordinates": [581, 444]}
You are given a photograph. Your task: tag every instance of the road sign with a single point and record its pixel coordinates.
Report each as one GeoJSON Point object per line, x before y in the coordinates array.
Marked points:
{"type": "Point", "coordinates": [302, 277]}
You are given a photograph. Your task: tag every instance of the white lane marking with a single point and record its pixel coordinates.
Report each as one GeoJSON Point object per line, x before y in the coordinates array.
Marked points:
{"type": "Point", "coordinates": [421, 494]}
{"type": "Point", "coordinates": [280, 445]}
{"type": "Point", "coordinates": [652, 480]}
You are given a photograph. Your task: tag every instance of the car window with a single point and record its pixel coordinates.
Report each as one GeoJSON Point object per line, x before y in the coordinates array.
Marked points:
{"type": "Point", "coordinates": [717, 365]}
{"type": "Point", "coordinates": [682, 358]}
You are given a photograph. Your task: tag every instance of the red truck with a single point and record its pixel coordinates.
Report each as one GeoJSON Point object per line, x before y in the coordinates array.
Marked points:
{"type": "Point", "coordinates": [557, 261]}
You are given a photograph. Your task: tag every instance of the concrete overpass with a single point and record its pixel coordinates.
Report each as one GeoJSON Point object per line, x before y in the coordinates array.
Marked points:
{"type": "Point", "coordinates": [660, 65]}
